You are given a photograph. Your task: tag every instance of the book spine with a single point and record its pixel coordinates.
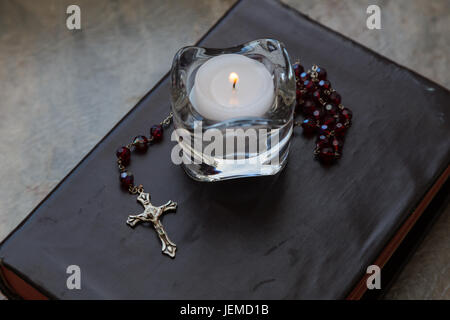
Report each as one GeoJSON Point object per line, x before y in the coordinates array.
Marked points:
{"type": "Point", "coordinates": [15, 287]}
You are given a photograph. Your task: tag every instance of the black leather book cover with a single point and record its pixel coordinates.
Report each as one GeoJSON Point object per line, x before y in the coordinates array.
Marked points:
{"type": "Point", "coordinates": [308, 232]}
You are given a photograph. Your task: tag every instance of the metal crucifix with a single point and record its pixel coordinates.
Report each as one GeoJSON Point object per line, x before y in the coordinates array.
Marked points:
{"type": "Point", "coordinates": [152, 214]}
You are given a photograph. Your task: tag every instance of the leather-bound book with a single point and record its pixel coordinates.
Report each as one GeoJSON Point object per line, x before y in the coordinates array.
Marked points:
{"type": "Point", "coordinates": [308, 232]}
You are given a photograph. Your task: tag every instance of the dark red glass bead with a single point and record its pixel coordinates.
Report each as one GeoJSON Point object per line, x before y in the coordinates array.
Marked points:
{"type": "Point", "coordinates": [304, 76]}
{"type": "Point", "coordinates": [298, 69]}
{"type": "Point", "coordinates": [124, 154]}
{"type": "Point", "coordinates": [156, 132]}
{"type": "Point", "coordinates": [337, 144]}
{"type": "Point", "coordinates": [335, 98]}
{"type": "Point", "coordinates": [339, 129]}
{"type": "Point", "coordinates": [321, 73]}
{"type": "Point", "coordinates": [325, 130]}
{"type": "Point", "coordinates": [322, 141]}
{"type": "Point", "coordinates": [330, 109]}
{"type": "Point", "coordinates": [309, 126]}
{"type": "Point", "coordinates": [329, 121]}
{"type": "Point", "coordinates": [317, 94]}
{"type": "Point", "coordinates": [126, 179]}
{"type": "Point", "coordinates": [308, 107]}
{"type": "Point", "coordinates": [309, 85]}
{"type": "Point", "coordinates": [325, 84]}
{"type": "Point", "coordinates": [347, 114]}
{"type": "Point", "coordinates": [326, 155]}
{"type": "Point", "coordinates": [141, 143]}
{"type": "Point", "coordinates": [317, 114]}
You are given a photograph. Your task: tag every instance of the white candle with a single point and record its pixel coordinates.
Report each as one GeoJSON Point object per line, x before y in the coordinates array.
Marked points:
{"type": "Point", "coordinates": [232, 86]}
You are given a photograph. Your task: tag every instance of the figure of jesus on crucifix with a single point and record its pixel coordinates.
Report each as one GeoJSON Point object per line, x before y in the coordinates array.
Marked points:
{"type": "Point", "coordinates": [152, 214]}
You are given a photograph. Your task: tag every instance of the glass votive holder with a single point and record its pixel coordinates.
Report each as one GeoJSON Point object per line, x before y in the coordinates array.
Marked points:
{"type": "Point", "coordinates": [214, 147]}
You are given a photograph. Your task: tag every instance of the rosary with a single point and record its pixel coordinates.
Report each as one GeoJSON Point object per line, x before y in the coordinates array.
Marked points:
{"type": "Point", "coordinates": [324, 116]}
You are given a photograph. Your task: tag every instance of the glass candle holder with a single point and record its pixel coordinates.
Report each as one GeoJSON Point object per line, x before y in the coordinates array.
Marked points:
{"type": "Point", "coordinates": [227, 144]}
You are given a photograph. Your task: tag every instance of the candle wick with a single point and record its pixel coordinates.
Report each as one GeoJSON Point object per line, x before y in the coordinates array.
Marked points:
{"type": "Point", "coordinates": [234, 83]}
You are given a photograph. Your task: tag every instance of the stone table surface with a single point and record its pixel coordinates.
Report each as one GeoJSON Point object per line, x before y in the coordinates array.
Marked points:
{"type": "Point", "coordinates": [55, 105]}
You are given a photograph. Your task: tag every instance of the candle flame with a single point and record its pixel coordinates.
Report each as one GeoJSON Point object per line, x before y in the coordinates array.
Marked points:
{"type": "Point", "coordinates": [233, 78]}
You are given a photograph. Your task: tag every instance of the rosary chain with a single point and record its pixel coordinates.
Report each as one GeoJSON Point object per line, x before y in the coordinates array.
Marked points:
{"type": "Point", "coordinates": [166, 122]}
{"type": "Point", "coordinates": [132, 189]}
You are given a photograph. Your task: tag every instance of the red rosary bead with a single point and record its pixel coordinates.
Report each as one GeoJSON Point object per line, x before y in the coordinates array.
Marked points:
{"type": "Point", "coordinates": [309, 85]}
{"type": "Point", "coordinates": [322, 141]}
{"type": "Point", "coordinates": [337, 144]}
{"type": "Point", "coordinates": [318, 113]}
{"type": "Point", "coordinates": [156, 132]}
{"type": "Point", "coordinates": [328, 120]}
{"type": "Point", "coordinates": [124, 154]}
{"type": "Point", "coordinates": [321, 73]}
{"type": "Point", "coordinates": [347, 114]}
{"type": "Point", "coordinates": [317, 95]}
{"type": "Point", "coordinates": [309, 126]}
{"type": "Point", "coordinates": [339, 129]}
{"type": "Point", "coordinates": [308, 107]}
{"type": "Point", "coordinates": [141, 143]}
{"type": "Point", "coordinates": [335, 98]}
{"type": "Point", "coordinates": [298, 69]}
{"type": "Point", "coordinates": [325, 130]}
{"type": "Point", "coordinates": [326, 155]}
{"type": "Point", "coordinates": [304, 76]}
{"type": "Point", "coordinates": [126, 179]}
{"type": "Point", "coordinates": [331, 109]}
{"type": "Point", "coordinates": [325, 84]}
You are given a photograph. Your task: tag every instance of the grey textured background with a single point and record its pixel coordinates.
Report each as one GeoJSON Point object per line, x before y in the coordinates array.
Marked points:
{"type": "Point", "coordinates": [63, 90]}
